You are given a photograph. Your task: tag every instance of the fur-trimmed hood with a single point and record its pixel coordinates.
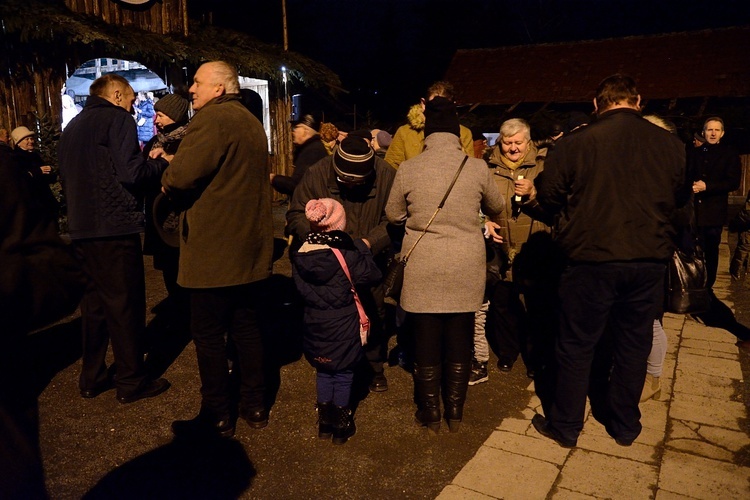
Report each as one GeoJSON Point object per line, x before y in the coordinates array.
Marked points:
{"type": "Point", "coordinates": [415, 117]}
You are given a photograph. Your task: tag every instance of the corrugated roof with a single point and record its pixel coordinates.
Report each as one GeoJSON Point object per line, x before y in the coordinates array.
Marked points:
{"type": "Point", "coordinates": [712, 63]}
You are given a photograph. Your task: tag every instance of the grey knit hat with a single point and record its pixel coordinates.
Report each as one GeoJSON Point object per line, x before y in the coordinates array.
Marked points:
{"type": "Point", "coordinates": [173, 106]}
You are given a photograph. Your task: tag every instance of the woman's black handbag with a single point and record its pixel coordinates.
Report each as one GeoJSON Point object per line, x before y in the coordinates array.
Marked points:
{"type": "Point", "coordinates": [394, 278]}
{"type": "Point", "coordinates": [686, 291]}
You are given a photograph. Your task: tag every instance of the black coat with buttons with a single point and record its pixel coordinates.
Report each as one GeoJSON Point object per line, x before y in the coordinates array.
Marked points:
{"type": "Point", "coordinates": [719, 166]}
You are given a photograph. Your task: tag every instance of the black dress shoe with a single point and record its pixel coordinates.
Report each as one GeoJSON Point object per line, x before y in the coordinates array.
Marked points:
{"type": "Point", "coordinates": [504, 367]}
{"type": "Point", "coordinates": [379, 383]}
{"type": "Point", "coordinates": [92, 393]}
{"type": "Point", "coordinates": [203, 426]}
{"type": "Point", "coordinates": [149, 390]}
{"type": "Point", "coordinates": [541, 426]}
{"type": "Point", "coordinates": [257, 419]}
{"type": "Point", "coordinates": [619, 440]}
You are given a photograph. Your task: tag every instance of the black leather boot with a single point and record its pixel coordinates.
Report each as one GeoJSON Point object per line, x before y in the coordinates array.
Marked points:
{"type": "Point", "coordinates": [325, 420]}
{"type": "Point", "coordinates": [427, 395]}
{"type": "Point", "coordinates": [343, 427]}
{"type": "Point", "coordinates": [456, 384]}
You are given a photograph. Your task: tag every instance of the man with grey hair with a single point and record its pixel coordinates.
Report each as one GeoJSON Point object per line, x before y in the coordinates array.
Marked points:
{"type": "Point", "coordinates": [219, 177]}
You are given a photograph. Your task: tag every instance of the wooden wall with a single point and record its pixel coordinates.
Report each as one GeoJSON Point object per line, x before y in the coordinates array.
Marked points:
{"type": "Point", "coordinates": [161, 17]}
{"type": "Point", "coordinates": [30, 92]}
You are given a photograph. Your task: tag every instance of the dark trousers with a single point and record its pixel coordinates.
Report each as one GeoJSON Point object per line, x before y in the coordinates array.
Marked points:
{"type": "Point", "coordinates": [442, 337]}
{"type": "Point", "coordinates": [113, 308]}
{"type": "Point", "coordinates": [218, 314]}
{"type": "Point", "coordinates": [376, 349]}
{"type": "Point", "coordinates": [622, 298]}
{"type": "Point", "coordinates": [709, 237]}
{"type": "Point", "coordinates": [507, 324]}
{"type": "Point", "coordinates": [738, 263]}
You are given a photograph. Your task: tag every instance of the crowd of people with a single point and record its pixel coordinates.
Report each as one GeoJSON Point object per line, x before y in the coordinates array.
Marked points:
{"type": "Point", "coordinates": [553, 251]}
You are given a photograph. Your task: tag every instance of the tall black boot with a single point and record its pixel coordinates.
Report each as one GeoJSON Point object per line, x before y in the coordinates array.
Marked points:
{"type": "Point", "coordinates": [343, 427]}
{"type": "Point", "coordinates": [427, 394]}
{"type": "Point", "coordinates": [454, 397]}
{"type": "Point", "coordinates": [326, 419]}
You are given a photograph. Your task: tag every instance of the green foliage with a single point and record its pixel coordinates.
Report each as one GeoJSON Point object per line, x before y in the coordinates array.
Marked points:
{"type": "Point", "coordinates": [47, 140]}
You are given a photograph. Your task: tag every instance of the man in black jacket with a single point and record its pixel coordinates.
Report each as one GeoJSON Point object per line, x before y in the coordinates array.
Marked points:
{"type": "Point", "coordinates": [308, 149]}
{"type": "Point", "coordinates": [715, 169]}
{"type": "Point", "coordinates": [614, 186]}
{"type": "Point", "coordinates": [103, 174]}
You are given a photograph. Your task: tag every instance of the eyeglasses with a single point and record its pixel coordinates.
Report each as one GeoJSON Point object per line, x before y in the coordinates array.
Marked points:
{"type": "Point", "coordinates": [349, 182]}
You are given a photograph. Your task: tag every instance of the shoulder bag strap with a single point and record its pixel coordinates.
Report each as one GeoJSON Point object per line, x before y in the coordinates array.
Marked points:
{"type": "Point", "coordinates": [442, 202]}
{"type": "Point", "coordinates": [363, 319]}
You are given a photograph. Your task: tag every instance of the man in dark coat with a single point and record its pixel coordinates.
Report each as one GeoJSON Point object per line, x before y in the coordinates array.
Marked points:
{"type": "Point", "coordinates": [103, 173]}
{"type": "Point", "coordinates": [308, 149]}
{"type": "Point", "coordinates": [615, 185]}
{"type": "Point", "coordinates": [715, 169]}
{"type": "Point", "coordinates": [220, 175]}
{"type": "Point", "coordinates": [361, 182]}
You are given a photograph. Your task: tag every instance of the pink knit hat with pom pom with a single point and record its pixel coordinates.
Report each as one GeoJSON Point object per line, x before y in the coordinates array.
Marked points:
{"type": "Point", "coordinates": [325, 214]}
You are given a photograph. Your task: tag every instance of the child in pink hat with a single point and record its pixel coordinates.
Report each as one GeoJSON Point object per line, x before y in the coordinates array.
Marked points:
{"type": "Point", "coordinates": [332, 341]}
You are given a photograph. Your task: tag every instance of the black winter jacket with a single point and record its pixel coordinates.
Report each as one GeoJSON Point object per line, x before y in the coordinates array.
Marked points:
{"type": "Point", "coordinates": [332, 341]}
{"type": "Point", "coordinates": [615, 185]}
{"type": "Point", "coordinates": [103, 171]}
{"type": "Point", "coordinates": [305, 155]}
{"type": "Point", "coordinates": [364, 205]}
{"type": "Point", "coordinates": [719, 166]}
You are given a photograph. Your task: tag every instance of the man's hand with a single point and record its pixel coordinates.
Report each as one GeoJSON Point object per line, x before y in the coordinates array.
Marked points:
{"type": "Point", "coordinates": [46, 169]}
{"type": "Point", "coordinates": [492, 230]}
{"type": "Point", "coordinates": [699, 186]}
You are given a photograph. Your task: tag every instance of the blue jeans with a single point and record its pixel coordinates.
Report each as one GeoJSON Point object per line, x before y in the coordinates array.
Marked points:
{"type": "Point", "coordinates": [334, 387]}
{"type": "Point", "coordinates": [621, 298]}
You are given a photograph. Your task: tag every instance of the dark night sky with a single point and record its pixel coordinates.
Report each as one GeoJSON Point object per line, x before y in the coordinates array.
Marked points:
{"type": "Point", "coordinates": [388, 51]}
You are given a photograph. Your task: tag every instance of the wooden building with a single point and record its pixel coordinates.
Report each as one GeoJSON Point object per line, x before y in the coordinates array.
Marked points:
{"type": "Point", "coordinates": [683, 77]}
{"type": "Point", "coordinates": [44, 41]}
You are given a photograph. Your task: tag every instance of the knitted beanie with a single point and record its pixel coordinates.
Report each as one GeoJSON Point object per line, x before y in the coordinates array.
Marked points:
{"type": "Point", "coordinates": [384, 139]}
{"type": "Point", "coordinates": [440, 116]}
{"type": "Point", "coordinates": [325, 214]}
{"type": "Point", "coordinates": [354, 160]}
{"type": "Point", "coordinates": [173, 106]}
